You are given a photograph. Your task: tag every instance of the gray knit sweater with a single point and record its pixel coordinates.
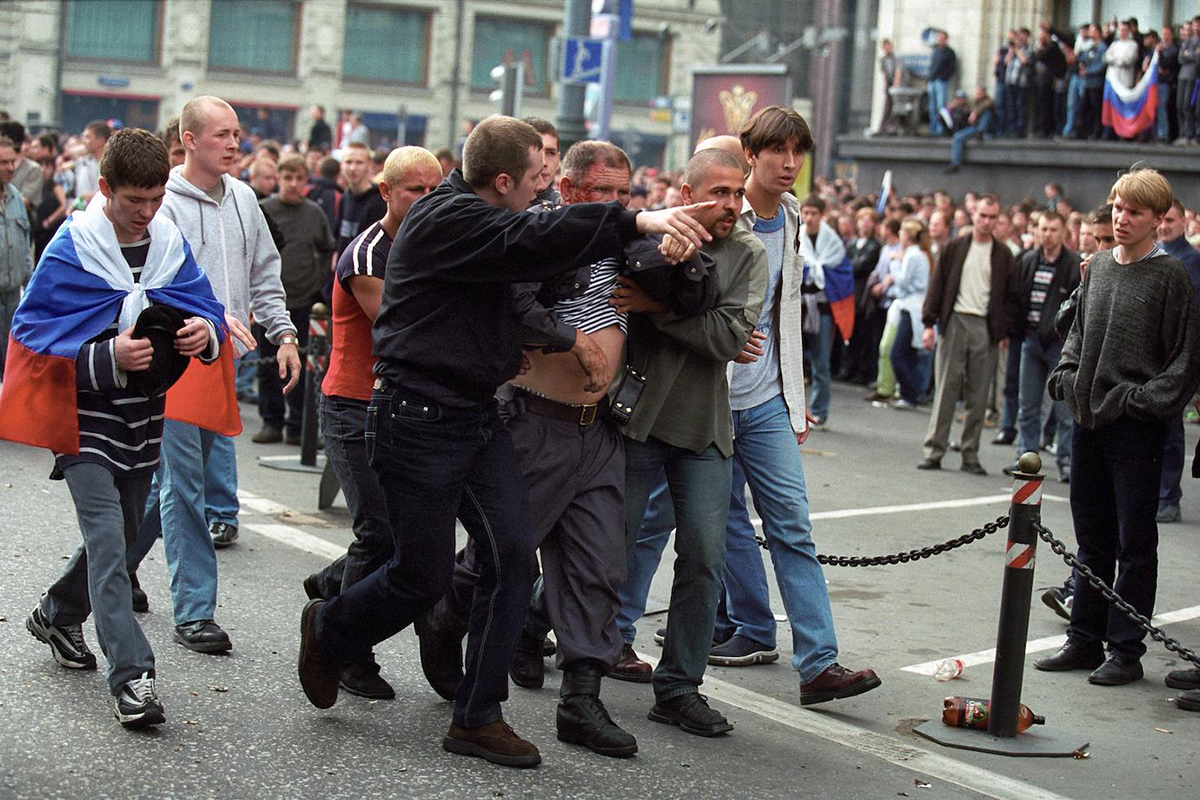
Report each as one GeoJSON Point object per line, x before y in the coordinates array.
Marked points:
{"type": "Point", "coordinates": [1134, 348]}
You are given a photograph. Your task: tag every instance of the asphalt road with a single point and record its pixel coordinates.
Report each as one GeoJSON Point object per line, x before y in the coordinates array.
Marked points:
{"type": "Point", "coordinates": [239, 726]}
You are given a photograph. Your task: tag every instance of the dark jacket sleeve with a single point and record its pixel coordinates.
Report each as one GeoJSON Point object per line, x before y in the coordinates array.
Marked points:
{"type": "Point", "coordinates": [539, 327]}
{"type": "Point", "coordinates": [687, 289]}
{"type": "Point", "coordinates": [931, 310]}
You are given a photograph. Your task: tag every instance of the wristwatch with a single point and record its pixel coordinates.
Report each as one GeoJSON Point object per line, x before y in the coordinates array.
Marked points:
{"type": "Point", "coordinates": [289, 338]}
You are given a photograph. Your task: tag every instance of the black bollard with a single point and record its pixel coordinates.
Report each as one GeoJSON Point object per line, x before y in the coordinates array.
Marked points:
{"type": "Point", "coordinates": [315, 353]}
{"type": "Point", "coordinates": [1008, 674]}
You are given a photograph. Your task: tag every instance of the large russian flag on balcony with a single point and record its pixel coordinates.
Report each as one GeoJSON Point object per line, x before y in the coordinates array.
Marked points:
{"type": "Point", "coordinates": [80, 286]}
{"type": "Point", "coordinates": [1130, 111]}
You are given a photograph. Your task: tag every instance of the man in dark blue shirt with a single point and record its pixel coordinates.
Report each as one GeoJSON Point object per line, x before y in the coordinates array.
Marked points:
{"type": "Point", "coordinates": [943, 68]}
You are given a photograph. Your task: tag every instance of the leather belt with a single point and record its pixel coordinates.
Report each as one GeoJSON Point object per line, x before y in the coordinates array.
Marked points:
{"type": "Point", "coordinates": [582, 415]}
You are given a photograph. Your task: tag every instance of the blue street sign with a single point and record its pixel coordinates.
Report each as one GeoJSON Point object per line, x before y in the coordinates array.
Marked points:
{"type": "Point", "coordinates": [583, 58]}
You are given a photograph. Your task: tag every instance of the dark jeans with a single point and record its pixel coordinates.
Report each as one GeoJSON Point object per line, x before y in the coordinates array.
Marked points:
{"type": "Point", "coordinates": [343, 426]}
{"type": "Point", "coordinates": [436, 463]}
{"type": "Point", "coordinates": [1090, 106]}
{"type": "Point", "coordinates": [273, 406]}
{"type": "Point", "coordinates": [1010, 405]}
{"type": "Point", "coordinates": [1170, 492]}
{"type": "Point", "coordinates": [912, 365]}
{"type": "Point", "coordinates": [1114, 498]}
{"type": "Point", "coordinates": [1014, 110]}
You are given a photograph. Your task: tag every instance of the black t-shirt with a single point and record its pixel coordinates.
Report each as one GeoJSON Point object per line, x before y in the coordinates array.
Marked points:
{"type": "Point", "coordinates": [358, 211]}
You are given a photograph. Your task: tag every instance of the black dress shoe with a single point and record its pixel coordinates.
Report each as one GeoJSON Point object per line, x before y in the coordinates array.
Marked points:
{"type": "Point", "coordinates": [549, 648]}
{"type": "Point", "coordinates": [1005, 437]}
{"type": "Point", "coordinates": [1187, 679]}
{"type": "Point", "coordinates": [1072, 655]}
{"type": "Point", "coordinates": [441, 657]}
{"type": "Point", "coordinates": [1117, 671]}
{"type": "Point", "coordinates": [526, 669]}
{"type": "Point", "coordinates": [362, 679]}
{"type": "Point", "coordinates": [930, 463]}
{"type": "Point", "coordinates": [1189, 701]}
{"type": "Point", "coordinates": [691, 713]}
{"type": "Point", "coordinates": [203, 636]}
{"type": "Point", "coordinates": [312, 587]}
{"type": "Point", "coordinates": [141, 603]}
{"type": "Point", "coordinates": [973, 468]}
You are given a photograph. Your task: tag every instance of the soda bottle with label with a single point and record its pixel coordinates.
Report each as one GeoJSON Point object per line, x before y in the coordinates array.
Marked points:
{"type": "Point", "coordinates": [970, 712]}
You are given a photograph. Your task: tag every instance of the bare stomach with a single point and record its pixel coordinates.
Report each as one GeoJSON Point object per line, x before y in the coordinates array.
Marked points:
{"type": "Point", "coordinates": [559, 376]}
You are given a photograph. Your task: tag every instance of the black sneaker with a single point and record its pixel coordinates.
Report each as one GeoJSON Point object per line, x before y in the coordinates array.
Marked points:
{"type": "Point", "coordinates": [741, 651]}
{"type": "Point", "coordinates": [223, 534]}
{"type": "Point", "coordinates": [137, 704]}
{"type": "Point", "coordinates": [66, 641]}
{"type": "Point", "coordinates": [691, 713]}
{"type": "Point", "coordinates": [660, 636]}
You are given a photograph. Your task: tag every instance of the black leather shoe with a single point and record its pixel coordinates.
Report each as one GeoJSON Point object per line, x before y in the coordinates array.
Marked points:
{"type": "Point", "coordinates": [1117, 671]}
{"type": "Point", "coordinates": [691, 713]}
{"type": "Point", "coordinates": [1186, 679]}
{"type": "Point", "coordinates": [363, 679]}
{"type": "Point", "coordinates": [549, 648]}
{"type": "Point", "coordinates": [312, 587]}
{"type": "Point", "coordinates": [973, 468]}
{"type": "Point", "coordinates": [526, 669]}
{"type": "Point", "coordinates": [441, 657]}
{"type": "Point", "coordinates": [582, 719]}
{"type": "Point", "coordinates": [1005, 437]}
{"type": "Point", "coordinates": [930, 463]}
{"type": "Point", "coordinates": [319, 677]}
{"type": "Point", "coordinates": [203, 636]}
{"type": "Point", "coordinates": [1072, 656]}
{"type": "Point", "coordinates": [1189, 701]}
{"type": "Point", "coordinates": [141, 603]}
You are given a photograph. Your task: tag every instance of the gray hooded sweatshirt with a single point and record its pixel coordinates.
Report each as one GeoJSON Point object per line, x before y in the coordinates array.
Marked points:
{"type": "Point", "coordinates": [234, 249]}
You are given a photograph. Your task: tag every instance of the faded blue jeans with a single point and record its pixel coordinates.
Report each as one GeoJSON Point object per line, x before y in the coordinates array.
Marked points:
{"type": "Point", "coordinates": [1037, 361]}
{"type": "Point", "coordinates": [819, 348]}
{"type": "Point", "coordinates": [937, 101]}
{"type": "Point", "coordinates": [700, 495]}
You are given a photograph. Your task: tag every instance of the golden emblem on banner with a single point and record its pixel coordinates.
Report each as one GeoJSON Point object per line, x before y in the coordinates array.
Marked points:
{"type": "Point", "coordinates": [738, 105]}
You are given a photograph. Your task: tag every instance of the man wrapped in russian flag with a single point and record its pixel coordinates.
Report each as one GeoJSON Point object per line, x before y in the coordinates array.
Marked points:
{"type": "Point", "coordinates": [115, 313]}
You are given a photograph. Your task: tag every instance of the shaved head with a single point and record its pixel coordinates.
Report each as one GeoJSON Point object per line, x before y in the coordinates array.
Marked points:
{"type": "Point", "coordinates": [709, 159]}
{"type": "Point", "coordinates": [196, 112]}
{"type": "Point", "coordinates": [729, 144]}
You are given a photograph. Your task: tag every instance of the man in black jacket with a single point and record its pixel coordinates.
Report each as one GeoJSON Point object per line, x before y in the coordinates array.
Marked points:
{"type": "Point", "coordinates": [1049, 274]}
{"type": "Point", "coordinates": [446, 337]}
{"type": "Point", "coordinates": [858, 363]}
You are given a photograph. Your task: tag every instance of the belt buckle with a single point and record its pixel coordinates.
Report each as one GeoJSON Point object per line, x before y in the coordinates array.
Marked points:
{"type": "Point", "coordinates": [587, 414]}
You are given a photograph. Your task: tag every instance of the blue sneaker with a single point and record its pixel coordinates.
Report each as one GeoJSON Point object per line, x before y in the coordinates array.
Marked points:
{"type": "Point", "coordinates": [741, 651]}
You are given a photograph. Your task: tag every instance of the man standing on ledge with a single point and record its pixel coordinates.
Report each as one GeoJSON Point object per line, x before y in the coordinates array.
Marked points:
{"type": "Point", "coordinates": [446, 338]}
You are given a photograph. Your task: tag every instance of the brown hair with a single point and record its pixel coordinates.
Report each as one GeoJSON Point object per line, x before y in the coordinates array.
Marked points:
{"type": "Point", "coordinates": [498, 146]}
{"type": "Point", "coordinates": [1051, 216]}
{"type": "Point", "coordinates": [170, 134]}
{"type": "Point", "coordinates": [776, 125]}
{"type": "Point", "coordinates": [293, 162]}
{"type": "Point", "coordinates": [135, 157]}
{"type": "Point", "coordinates": [814, 201]}
{"type": "Point", "coordinates": [584, 155]}
{"type": "Point", "coordinates": [99, 128]}
{"type": "Point", "coordinates": [542, 126]}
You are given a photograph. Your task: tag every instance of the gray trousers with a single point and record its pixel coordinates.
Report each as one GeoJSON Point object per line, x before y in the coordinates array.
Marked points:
{"type": "Point", "coordinates": [109, 508]}
{"type": "Point", "coordinates": [576, 478]}
{"type": "Point", "coordinates": [964, 364]}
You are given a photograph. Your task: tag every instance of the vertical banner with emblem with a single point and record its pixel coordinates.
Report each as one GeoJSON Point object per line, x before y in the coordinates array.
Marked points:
{"type": "Point", "coordinates": [725, 97]}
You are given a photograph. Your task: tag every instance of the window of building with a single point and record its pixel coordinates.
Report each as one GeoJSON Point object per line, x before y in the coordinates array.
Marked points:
{"type": "Point", "coordinates": [507, 41]}
{"type": "Point", "coordinates": [118, 30]}
{"type": "Point", "coordinates": [641, 69]}
{"type": "Point", "coordinates": [254, 35]}
{"type": "Point", "coordinates": [385, 44]}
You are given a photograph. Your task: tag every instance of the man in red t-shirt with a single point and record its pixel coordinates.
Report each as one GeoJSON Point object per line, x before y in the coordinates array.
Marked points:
{"type": "Point", "coordinates": [408, 174]}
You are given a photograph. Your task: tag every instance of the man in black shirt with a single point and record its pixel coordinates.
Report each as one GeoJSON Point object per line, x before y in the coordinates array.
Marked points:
{"type": "Point", "coordinates": [446, 337]}
{"type": "Point", "coordinates": [362, 203]}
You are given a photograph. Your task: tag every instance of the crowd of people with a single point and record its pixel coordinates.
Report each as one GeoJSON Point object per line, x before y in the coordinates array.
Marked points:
{"type": "Point", "coordinates": [630, 351]}
{"type": "Point", "coordinates": [1050, 84]}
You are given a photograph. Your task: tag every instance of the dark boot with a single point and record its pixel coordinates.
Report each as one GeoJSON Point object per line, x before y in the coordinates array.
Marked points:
{"type": "Point", "coordinates": [526, 669]}
{"type": "Point", "coordinates": [583, 719]}
{"type": "Point", "coordinates": [141, 604]}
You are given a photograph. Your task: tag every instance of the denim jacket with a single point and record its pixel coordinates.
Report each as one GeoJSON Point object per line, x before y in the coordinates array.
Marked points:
{"type": "Point", "coordinates": [16, 253]}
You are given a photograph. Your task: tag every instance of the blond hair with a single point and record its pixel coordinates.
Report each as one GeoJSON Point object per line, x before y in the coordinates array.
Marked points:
{"type": "Point", "coordinates": [293, 162]}
{"type": "Point", "coordinates": [404, 159]}
{"type": "Point", "coordinates": [1144, 188]}
{"type": "Point", "coordinates": [192, 116]}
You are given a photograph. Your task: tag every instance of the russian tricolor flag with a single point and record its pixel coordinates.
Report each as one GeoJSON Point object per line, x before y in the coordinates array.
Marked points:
{"type": "Point", "coordinates": [1130, 111]}
{"type": "Point", "coordinates": [79, 287]}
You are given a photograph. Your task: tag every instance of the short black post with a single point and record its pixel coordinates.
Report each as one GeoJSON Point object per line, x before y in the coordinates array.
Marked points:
{"type": "Point", "coordinates": [315, 352]}
{"type": "Point", "coordinates": [1008, 674]}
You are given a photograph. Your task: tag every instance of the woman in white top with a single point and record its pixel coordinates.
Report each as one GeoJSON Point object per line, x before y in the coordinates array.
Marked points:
{"type": "Point", "coordinates": [910, 360]}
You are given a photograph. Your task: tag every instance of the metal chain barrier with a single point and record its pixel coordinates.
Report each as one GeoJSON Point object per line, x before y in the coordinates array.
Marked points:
{"type": "Point", "coordinates": [911, 555]}
{"type": "Point", "coordinates": [1155, 633]}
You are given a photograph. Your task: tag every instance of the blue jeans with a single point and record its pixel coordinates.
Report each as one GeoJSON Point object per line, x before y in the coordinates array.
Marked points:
{"type": "Point", "coordinates": [1009, 406]}
{"type": "Point", "coordinates": [912, 365]}
{"type": "Point", "coordinates": [766, 456]}
{"type": "Point", "coordinates": [1001, 119]}
{"type": "Point", "coordinates": [175, 511]}
{"type": "Point", "coordinates": [700, 495]}
{"type": "Point", "coordinates": [246, 377]}
{"type": "Point", "coordinates": [436, 463]}
{"type": "Point", "coordinates": [652, 538]}
{"type": "Point", "coordinates": [1162, 122]}
{"type": "Point", "coordinates": [1037, 361]}
{"type": "Point", "coordinates": [220, 482]}
{"type": "Point", "coordinates": [1074, 96]}
{"type": "Point", "coordinates": [1014, 110]}
{"type": "Point", "coordinates": [1170, 491]}
{"type": "Point", "coordinates": [981, 126]}
{"type": "Point", "coordinates": [937, 101]}
{"type": "Point", "coordinates": [818, 348]}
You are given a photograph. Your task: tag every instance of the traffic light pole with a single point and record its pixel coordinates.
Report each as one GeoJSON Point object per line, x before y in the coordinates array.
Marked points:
{"type": "Point", "coordinates": [577, 18]}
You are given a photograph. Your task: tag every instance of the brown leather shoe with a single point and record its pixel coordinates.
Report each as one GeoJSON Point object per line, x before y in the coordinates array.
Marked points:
{"type": "Point", "coordinates": [630, 668]}
{"type": "Point", "coordinates": [494, 742]}
{"type": "Point", "coordinates": [836, 683]}
{"type": "Point", "coordinates": [318, 675]}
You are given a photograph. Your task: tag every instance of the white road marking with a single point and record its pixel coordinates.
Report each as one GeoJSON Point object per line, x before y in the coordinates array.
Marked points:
{"type": "Point", "coordinates": [901, 753]}
{"type": "Point", "coordinates": [294, 537]}
{"type": "Point", "coordinates": [261, 504]}
{"type": "Point", "coordinates": [1043, 644]}
{"type": "Point", "coordinates": [986, 500]}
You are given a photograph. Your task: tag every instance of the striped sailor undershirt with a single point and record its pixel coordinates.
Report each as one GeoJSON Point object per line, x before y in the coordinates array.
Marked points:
{"type": "Point", "coordinates": [365, 259]}
{"type": "Point", "coordinates": [590, 311]}
{"type": "Point", "coordinates": [119, 428]}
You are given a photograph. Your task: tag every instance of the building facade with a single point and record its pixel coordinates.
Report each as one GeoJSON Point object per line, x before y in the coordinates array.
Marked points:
{"type": "Point", "coordinates": [415, 69]}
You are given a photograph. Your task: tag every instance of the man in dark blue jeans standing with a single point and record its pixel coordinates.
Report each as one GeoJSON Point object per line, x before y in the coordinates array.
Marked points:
{"type": "Point", "coordinates": [446, 337]}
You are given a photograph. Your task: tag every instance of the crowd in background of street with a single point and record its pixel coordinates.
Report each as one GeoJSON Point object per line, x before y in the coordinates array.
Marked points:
{"type": "Point", "coordinates": [1050, 84]}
